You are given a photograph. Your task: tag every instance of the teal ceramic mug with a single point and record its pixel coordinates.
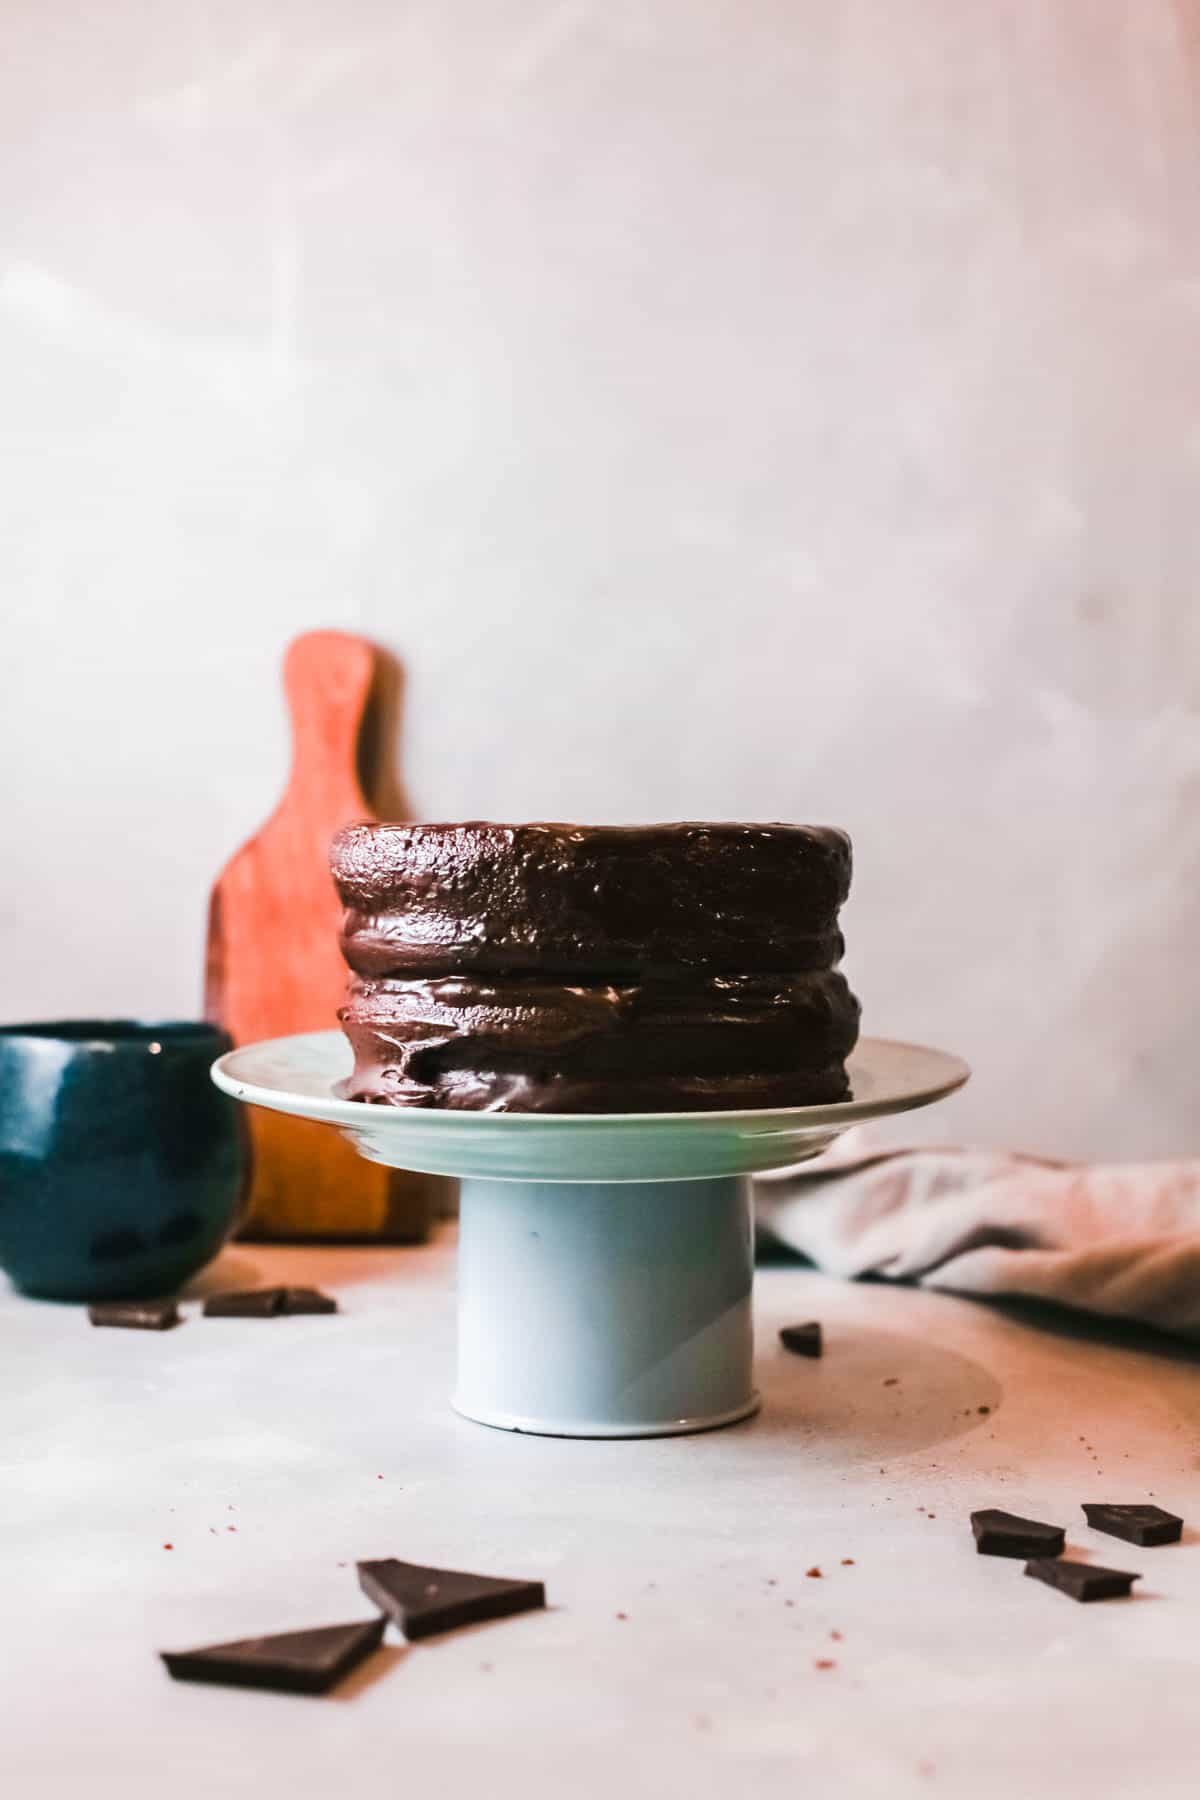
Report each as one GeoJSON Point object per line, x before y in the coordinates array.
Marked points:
{"type": "Point", "coordinates": [122, 1169]}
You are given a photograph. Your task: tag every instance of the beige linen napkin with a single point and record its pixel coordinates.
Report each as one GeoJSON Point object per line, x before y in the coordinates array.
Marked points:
{"type": "Point", "coordinates": [1122, 1240]}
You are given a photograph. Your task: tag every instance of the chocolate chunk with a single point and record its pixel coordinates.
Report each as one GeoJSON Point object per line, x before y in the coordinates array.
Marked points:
{"type": "Point", "coordinates": [296, 1662]}
{"type": "Point", "coordinates": [246, 1303]}
{"type": "Point", "coordinates": [306, 1300]}
{"type": "Point", "coordinates": [1005, 1534]}
{"type": "Point", "coordinates": [268, 1303]}
{"type": "Point", "coordinates": [423, 1601]}
{"type": "Point", "coordinates": [804, 1340]}
{"type": "Point", "coordinates": [135, 1315]}
{"type": "Point", "coordinates": [1136, 1524]}
{"type": "Point", "coordinates": [1082, 1581]}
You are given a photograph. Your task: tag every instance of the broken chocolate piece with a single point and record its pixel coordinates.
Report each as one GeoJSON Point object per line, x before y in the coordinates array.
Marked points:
{"type": "Point", "coordinates": [1136, 1524]}
{"type": "Point", "coordinates": [306, 1300]}
{"type": "Point", "coordinates": [268, 1303]}
{"type": "Point", "coordinates": [296, 1662]}
{"type": "Point", "coordinates": [423, 1601]}
{"type": "Point", "coordinates": [1082, 1581]}
{"type": "Point", "coordinates": [246, 1303]}
{"type": "Point", "coordinates": [1000, 1533]}
{"type": "Point", "coordinates": [804, 1340]}
{"type": "Point", "coordinates": [135, 1315]}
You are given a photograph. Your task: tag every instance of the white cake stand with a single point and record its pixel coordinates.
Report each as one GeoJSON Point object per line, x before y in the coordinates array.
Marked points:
{"type": "Point", "coordinates": [605, 1259]}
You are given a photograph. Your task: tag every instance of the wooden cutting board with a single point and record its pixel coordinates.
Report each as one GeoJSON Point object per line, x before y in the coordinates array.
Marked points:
{"type": "Point", "coordinates": [273, 965]}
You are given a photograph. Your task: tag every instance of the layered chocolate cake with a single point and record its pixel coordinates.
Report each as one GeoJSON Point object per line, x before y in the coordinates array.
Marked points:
{"type": "Point", "coordinates": [566, 968]}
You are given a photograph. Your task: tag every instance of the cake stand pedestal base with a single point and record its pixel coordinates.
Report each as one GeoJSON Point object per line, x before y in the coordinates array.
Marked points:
{"type": "Point", "coordinates": [605, 1259]}
{"type": "Point", "coordinates": [605, 1308]}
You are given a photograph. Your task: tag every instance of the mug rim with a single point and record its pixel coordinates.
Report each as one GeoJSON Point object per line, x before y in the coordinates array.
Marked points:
{"type": "Point", "coordinates": [113, 1034]}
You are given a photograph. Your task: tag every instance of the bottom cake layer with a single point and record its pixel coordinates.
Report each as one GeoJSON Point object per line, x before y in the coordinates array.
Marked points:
{"type": "Point", "coordinates": [517, 1044]}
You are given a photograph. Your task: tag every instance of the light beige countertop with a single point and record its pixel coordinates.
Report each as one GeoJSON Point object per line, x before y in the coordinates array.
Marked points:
{"type": "Point", "coordinates": [679, 1653]}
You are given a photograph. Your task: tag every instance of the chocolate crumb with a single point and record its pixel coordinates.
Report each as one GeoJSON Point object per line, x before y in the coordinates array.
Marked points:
{"type": "Point", "coordinates": [814, 1574]}
{"type": "Point", "coordinates": [892, 1381]}
{"type": "Point", "coordinates": [847, 1562]}
{"type": "Point", "coordinates": [983, 1411]}
{"type": "Point", "coordinates": [824, 1662]}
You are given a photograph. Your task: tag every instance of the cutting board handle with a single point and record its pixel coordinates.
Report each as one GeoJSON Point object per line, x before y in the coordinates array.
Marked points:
{"type": "Point", "coordinates": [328, 677]}
{"type": "Point", "coordinates": [274, 966]}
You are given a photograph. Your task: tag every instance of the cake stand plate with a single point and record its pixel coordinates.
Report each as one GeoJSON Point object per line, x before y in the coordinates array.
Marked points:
{"type": "Point", "coordinates": [605, 1259]}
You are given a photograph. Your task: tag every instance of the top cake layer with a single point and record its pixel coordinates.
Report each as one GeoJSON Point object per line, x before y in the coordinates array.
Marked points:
{"type": "Point", "coordinates": [643, 900]}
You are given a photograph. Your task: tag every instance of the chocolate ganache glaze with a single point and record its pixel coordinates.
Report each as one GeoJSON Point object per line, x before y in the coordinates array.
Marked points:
{"type": "Point", "coordinates": [564, 968]}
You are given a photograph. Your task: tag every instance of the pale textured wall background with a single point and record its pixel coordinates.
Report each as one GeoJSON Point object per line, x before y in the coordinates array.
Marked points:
{"type": "Point", "coordinates": [726, 408]}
